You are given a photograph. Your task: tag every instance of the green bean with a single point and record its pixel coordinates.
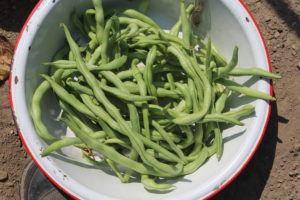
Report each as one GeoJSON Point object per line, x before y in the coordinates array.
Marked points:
{"type": "Point", "coordinates": [147, 42]}
{"type": "Point", "coordinates": [89, 20]}
{"type": "Point", "coordinates": [117, 141]}
{"type": "Point", "coordinates": [93, 42]}
{"type": "Point", "coordinates": [68, 98]}
{"type": "Point", "coordinates": [133, 113]}
{"type": "Point", "coordinates": [68, 142]}
{"type": "Point", "coordinates": [223, 71]}
{"type": "Point", "coordinates": [221, 61]}
{"type": "Point", "coordinates": [156, 109]}
{"type": "Point", "coordinates": [186, 27]}
{"type": "Point", "coordinates": [136, 142]}
{"type": "Point", "coordinates": [148, 71]}
{"type": "Point", "coordinates": [80, 88]}
{"type": "Point", "coordinates": [157, 69]}
{"type": "Point", "coordinates": [166, 68]}
{"type": "Point", "coordinates": [161, 92]}
{"type": "Point", "coordinates": [109, 152]}
{"type": "Point", "coordinates": [171, 38]}
{"type": "Point", "coordinates": [158, 155]}
{"type": "Point", "coordinates": [111, 90]}
{"type": "Point", "coordinates": [191, 118]}
{"type": "Point", "coordinates": [80, 120]}
{"type": "Point", "coordinates": [65, 64]}
{"type": "Point", "coordinates": [150, 184]}
{"type": "Point", "coordinates": [231, 85]}
{"type": "Point", "coordinates": [115, 169]}
{"type": "Point", "coordinates": [143, 91]}
{"type": "Point", "coordinates": [139, 16]}
{"type": "Point", "coordinates": [169, 140]}
{"type": "Point", "coordinates": [180, 107]}
{"type": "Point", "coordinates": [99, 18]}
{"type": "Point", "coordinates": [125, 96]}
{"type": "Point", "coordinates": [133, 31]}
{"type": "Point", "coordinates": [175, 29]}
{"type": "Point", "coordinates": [221, 118]}
{"type": "Point", "coordinates": [157, 137]}
{"type": "Point", "coordinates": [221, 101]}
{"type": "Point", "coordinates": [187, 96]}
{"type": "Point", "coordinates": [171, 81]}
{"type": "Point", "coordinates": [127, 20]}
{"type": "Point", "coordinates": [198, 143]}
{"type": "Point", "coordinates": [253, 72]}
{"type": "Point", "coordinates": [134, 156]}
{"type": "Point", "coordinates": [194, 165]}
{"type": "Point", "coordinates": [95, 56]}
{"type": "Point", "coordinates": [105, 39]}
{"type": "Point", "coordinates": [214, 117]}
{"type": "Point", "coordinates": [208, 60]}
{"type": "Point", "coordinates": [36, 112]}
{"type": "Point", "coordinates": [189, 137]}
{"type": "Point", "coordinates": [193, 92]}
{"type": "Point", "coordinates": [219, 141]}
{"type": "Point", "coordinates": [132, 55]}
{"type": "Point", "coordinates": [70, 56]}
{"type": "Point", "coordinates": [101, 113]}
{"type": "Point", "coordinates": [240, 113]}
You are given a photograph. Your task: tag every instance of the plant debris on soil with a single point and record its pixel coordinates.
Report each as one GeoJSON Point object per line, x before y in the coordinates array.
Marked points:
{"type": "Point", "coordinates": [274, 171]}
{"type": "Point", "coordinates": [6, 54]}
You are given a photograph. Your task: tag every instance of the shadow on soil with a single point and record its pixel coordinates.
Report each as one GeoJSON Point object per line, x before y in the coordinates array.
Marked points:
{"type": "Point", "coordinates": [286, 13]}
{"type": "Point", "coordinates": [250, 183]}
{"type": "Point", "coordinates": [14, 13]}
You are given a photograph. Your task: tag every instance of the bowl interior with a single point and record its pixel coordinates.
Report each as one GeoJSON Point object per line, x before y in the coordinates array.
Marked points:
{"type": "Point", "coordinates": [224, 20]}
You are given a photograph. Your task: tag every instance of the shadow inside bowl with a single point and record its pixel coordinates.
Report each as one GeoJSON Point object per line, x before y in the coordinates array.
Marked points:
{"type": "Point", "coordinates": [257, 172]}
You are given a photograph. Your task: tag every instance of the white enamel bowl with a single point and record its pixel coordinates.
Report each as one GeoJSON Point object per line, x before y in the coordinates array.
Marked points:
{"type": "Point", "coordinates": [229, 24]}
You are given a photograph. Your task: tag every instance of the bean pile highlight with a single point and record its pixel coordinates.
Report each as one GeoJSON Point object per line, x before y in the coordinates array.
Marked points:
{"type": "Point", "coordinates": [147, 101]}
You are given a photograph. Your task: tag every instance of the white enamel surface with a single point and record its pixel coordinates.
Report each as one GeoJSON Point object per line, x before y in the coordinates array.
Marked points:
{"type": "Point", "coordinates": [225, 21]}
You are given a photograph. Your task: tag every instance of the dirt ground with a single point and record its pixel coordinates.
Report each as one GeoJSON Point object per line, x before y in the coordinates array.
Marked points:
{"type": "Point", "coordinates": [273, 173]}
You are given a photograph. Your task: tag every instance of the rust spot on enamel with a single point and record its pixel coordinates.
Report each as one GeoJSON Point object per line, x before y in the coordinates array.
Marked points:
{"type": "Point", "coordinates": [16, 80]}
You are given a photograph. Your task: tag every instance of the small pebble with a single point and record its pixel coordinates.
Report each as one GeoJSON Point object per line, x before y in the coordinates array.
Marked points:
{"type": "Point", "coordinates": [294, 47]}
{"type": "Point", "coordinates": [10, 184]}
{"type": "Point", "coordinates": [297, 146]}
{"type": "Point", "coordinates": [292, 173]}
{"type": "Point", "coordinates": [278, 185]}
{"type": "Point", "coordinates": [11, 132]}
{"type": "Point", "coordinates": [3, 176]}
{"type": "Point", "coordinates": [277, 34]}
{"type": "Point", "coordinates": [295, 154]}
{"type": "Point", "coordinates": [268, 18]}
{"type": "Point", "coordinates": [298, 65]}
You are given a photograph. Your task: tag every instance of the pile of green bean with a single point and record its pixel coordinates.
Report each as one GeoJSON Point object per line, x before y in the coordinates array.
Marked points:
{"type": "Point", "coordinates": [147, 100]}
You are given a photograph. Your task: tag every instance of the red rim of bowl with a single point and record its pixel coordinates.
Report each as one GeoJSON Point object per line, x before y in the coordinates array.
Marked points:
{"type": "Point", "coordinates": [225, 184]}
